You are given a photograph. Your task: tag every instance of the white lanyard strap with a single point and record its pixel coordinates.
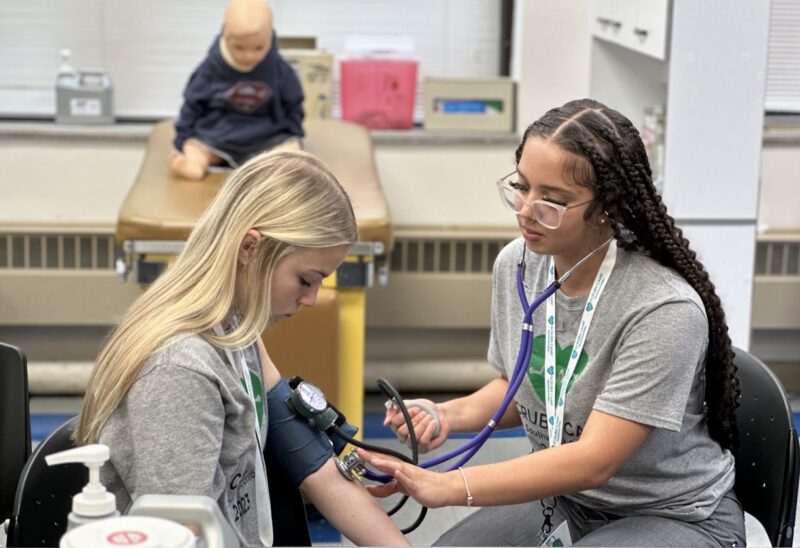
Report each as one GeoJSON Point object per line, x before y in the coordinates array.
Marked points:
{"type": "Point", "coordinates": [238, 359]}
{"type": "Point", "coordinates": [555, 408]}
{"type": "Point", "coordinates": [263, 502]}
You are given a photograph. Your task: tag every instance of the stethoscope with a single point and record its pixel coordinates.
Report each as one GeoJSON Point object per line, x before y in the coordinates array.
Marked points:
{"type": "Point", "coordinates": [469, 449]}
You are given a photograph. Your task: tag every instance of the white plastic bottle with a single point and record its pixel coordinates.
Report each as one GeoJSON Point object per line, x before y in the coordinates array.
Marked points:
{"type": "Point", "coordinates": [66, 68]}
{"type": "Point", "coordinates": [93, 502]}
{"type": "Point", "coordinates": [95, 520]}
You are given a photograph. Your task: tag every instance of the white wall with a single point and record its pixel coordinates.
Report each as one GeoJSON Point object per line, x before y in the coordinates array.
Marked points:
{"type": "Point", "coordinates": [552, 55]}
{"type": "Point", "coordinates": [779, 198]}
{"type": "Point", "coordinates": [71, 183]}
{"type": "Point", "coordinates": [83, 181]}
{"type": "Point", "coordinates": [445, 185]}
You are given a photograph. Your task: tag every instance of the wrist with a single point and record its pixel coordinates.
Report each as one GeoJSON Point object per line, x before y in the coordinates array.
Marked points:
{"type": "Point", "coordinates": [448, 415]}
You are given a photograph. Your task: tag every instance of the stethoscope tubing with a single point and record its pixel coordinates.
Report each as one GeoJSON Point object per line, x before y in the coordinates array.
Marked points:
{"type": "Point", "coordinates": [523, 359]}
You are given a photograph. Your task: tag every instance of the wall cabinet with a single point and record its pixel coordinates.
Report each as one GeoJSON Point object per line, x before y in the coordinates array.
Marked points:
{"type": "Point", "coordinates": [709, 77]}
{"type": "Point", "coordinates": [633, 24]}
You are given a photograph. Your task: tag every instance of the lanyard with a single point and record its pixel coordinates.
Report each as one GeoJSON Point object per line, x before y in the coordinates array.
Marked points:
{"type": "Point", "coordinates": [262, 490]}
{"type": "Point", "coordinates": [555, 408]}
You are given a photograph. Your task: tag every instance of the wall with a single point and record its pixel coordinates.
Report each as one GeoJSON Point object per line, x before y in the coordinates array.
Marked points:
{"type": "Point", "coordinates": [779, 199]}
{"type": "Point", "coordinates": [551, 55]}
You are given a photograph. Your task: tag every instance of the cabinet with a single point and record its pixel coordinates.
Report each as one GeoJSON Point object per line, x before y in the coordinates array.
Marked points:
{"type": "Point", "coordinates": [710, 79]}
{"type": "Point", "coordinates": [633, 24]}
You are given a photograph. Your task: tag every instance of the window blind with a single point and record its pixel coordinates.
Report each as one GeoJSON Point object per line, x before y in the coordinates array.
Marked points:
{"type": "Point", "coordinates": [783, 61]}
{"type": "Point", "coordinates": [150, 47]}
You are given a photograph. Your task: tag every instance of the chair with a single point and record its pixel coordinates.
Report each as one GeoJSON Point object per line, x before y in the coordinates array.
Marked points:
{"type": "Point", "coordinates": [15, 424]}
{"type": "Point", "coordinates": [768, 460]}
{"type": "Point", "coordinates": [44, 498]}
{"type": "Point", "coordinates": [44, 493]}
{"type": "Point", "coordinates": [289, 522]}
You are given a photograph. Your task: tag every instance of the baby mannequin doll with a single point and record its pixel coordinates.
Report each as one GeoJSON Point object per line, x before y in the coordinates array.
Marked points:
{"type": "Point", "coordinates": [241, 100]}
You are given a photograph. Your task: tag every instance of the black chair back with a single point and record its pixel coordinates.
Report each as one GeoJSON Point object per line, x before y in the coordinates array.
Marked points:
{"type": "Point", "coordinates": [768, 461]}
{"type": "Point", "coordinates": [44, 493]}
{"type": "Point", "coordinates": [15, 424]}
{"type": "Point", "coordinates": [289, 521]}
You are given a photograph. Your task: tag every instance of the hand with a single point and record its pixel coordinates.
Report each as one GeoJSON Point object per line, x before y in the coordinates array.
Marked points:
{"type": "Point", "coordinates": [424, 425]}
{"type": "Point", "coordinates": [431, 489]}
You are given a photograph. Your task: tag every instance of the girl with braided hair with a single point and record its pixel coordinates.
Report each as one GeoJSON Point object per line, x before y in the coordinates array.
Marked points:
{"type": "Point", "coordinates": [629, 395]}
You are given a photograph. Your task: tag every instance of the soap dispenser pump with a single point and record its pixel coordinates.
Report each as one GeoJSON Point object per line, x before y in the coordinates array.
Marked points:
{"type": "Point", "coordinates": [93, 502]}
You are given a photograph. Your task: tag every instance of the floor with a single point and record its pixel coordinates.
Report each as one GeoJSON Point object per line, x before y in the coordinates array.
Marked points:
{"type": "Point", "coordinates": [49, 412]}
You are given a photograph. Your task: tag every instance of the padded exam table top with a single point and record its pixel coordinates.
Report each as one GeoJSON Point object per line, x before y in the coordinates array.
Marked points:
{"type": "Point", "coordinates": [161, 206]}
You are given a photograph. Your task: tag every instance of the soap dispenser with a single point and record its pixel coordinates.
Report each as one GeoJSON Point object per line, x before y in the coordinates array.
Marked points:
{"type": "Point", "coordinates": [93, 502]}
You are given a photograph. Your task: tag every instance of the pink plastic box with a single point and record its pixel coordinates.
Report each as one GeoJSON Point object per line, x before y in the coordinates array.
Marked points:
{"type": "Point", "coordinates": [379, 93]}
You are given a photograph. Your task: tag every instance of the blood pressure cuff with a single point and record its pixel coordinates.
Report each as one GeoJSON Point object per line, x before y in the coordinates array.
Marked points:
{"type": "Point", "coordinates": [293, 443]}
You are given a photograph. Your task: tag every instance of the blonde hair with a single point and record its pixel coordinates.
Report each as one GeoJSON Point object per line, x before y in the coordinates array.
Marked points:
{"type": "Point", "coordinates": [293, 200]}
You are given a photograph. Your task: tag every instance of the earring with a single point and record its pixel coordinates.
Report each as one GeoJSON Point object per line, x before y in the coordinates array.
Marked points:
{"type": "Point", "coordinates": [602, 221]}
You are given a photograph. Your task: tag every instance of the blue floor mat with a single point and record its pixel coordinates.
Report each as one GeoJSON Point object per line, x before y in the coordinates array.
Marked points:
{"type": "Point", "coordinates": [43, 424]}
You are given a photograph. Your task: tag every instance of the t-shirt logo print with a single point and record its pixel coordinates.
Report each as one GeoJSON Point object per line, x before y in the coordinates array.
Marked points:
{"type": "Point", "coordinates": [536, 366]}
{"type": "Point", "coordinates": [246, 97]}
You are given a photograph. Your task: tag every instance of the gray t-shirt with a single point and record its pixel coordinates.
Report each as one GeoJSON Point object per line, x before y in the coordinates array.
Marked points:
{"type": "Point", "coordinates": [187, 427]}
{"type": "Point", "coordinates": [643, 361]}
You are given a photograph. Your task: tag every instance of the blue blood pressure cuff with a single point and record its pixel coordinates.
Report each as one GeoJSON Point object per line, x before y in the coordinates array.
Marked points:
{"type": "Point", "coordinates": [293, 442]}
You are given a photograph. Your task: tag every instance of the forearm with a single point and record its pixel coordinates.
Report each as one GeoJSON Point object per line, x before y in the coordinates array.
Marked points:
{"type": "Point", "coordinates": [543, 474]}
{"type": "Point", "coordinates": [606, 444]}
{"type": "Point", "coordinates": [348, 506]}
{"type": "Point", "coordinates": [471, 413]}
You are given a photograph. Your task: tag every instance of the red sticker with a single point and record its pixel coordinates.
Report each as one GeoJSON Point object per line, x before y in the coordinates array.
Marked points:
{"type": "Point", "coordinates": [126, 538]}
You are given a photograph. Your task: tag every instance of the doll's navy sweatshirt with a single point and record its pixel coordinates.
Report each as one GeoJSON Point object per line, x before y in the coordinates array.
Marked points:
{"type": "Point", "coordinates": [235, 111]}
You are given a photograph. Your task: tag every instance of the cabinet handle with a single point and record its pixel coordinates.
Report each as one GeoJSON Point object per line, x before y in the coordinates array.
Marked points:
{"type": "Point", "coordinates": [605, 21]}
{"type": "Point", "coordinates": [641, 33]}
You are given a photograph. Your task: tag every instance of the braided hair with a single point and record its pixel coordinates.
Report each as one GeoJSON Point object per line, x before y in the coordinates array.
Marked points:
{"type": "Point", "coordinates": [609, 158]}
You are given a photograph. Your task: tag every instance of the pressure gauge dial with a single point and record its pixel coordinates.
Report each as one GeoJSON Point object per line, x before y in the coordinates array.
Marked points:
{"type": "Point", "coordinates": [311, 397]}
{"type": "Point", "coordinates": [308, 401]}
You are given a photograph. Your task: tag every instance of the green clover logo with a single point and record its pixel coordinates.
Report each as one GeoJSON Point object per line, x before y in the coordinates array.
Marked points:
{"type": "Point", "coordinates": [536, 366]}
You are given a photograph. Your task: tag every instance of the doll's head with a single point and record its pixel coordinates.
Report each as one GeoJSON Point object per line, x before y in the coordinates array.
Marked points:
{"type": "Point", "coordinates": [247, 34]}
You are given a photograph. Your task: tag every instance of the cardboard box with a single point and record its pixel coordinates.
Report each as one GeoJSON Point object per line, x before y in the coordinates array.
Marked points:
{"type": "Point", "coordinates": [469, 104]}
{"type": "Point", "coordinates": [314, 68]}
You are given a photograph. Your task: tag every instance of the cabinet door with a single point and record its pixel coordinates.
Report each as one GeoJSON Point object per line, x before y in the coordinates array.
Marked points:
{"type": "Point", "coordinates": [649, 29]}
{"type": "Point", "coordinates": [607, 20]}
{"type": "Point", "coordinates": [633, 24]}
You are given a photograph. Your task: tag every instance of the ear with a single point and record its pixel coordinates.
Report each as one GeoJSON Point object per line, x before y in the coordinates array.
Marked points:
{"type": "Point", "coordinates": [247, 245]}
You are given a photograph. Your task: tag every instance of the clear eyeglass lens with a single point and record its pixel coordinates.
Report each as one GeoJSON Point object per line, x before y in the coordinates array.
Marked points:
{"type": "Point", "coordinates": [545, 213]}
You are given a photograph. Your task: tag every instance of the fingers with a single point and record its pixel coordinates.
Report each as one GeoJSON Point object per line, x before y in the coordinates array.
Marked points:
{"type": "Point", "coordinates": [395, 420]}
{"type": "Point", "coordinates": [427, 434]}
{"type": "Point", "coordinates": [383, 490]}
{"type": "Point", "coordinates": [405, 484]}
{"type": "Point", "coordinates": [421, 426]}
{"type": "Point", "coordinates": [387, 465]}
{"type": "Point", "coordinates": [383, 463]}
